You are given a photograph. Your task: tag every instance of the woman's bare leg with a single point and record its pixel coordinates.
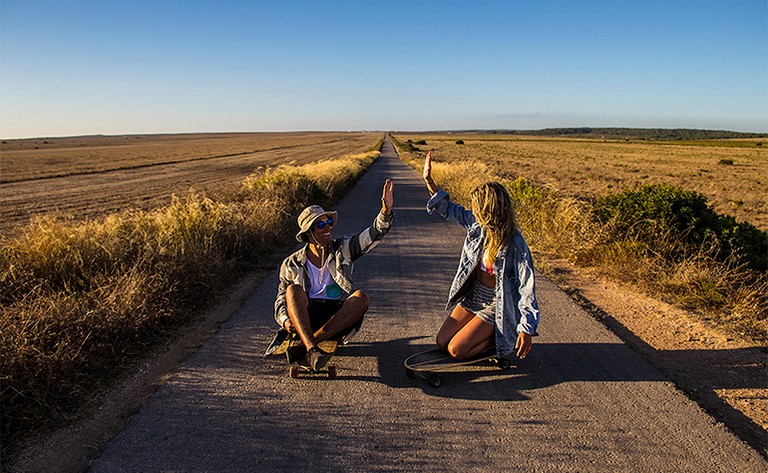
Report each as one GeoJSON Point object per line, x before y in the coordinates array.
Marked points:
{"type": "Point", "coordinates": [456, 321]}
{"type": "Point", "coordinates": [464, 335]}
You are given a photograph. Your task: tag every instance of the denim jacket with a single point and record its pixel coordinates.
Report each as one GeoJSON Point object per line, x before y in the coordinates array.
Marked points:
{"type": "Point", "coordinates": [343, 252]}
{"type": "Point", "coordinates": [516, 307]}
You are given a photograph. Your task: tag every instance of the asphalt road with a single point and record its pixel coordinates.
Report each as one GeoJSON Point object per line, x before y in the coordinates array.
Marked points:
{"type": "Point", "coordinates": [582, 400]}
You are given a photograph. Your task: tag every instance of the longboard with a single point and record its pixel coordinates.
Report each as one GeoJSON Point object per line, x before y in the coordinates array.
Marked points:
{"type": "Point", "coordinates": [282, 339]}
{"type": "Point", "coordinates": [279, 344]}
{"type": "Point", "coordinates": [427, 364]}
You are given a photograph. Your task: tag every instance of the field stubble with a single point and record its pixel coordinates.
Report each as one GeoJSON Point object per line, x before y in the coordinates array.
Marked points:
{"type": "Point", "coordinates": [92, 176]}
{"type": "Point", "coordinates": [701, 319]}
{"type": "Point", "coordinates": [591, 168]}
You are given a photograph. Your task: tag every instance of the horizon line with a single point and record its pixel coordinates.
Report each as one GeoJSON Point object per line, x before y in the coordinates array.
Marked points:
{"type": "Point", "coordinates": [457, 130]}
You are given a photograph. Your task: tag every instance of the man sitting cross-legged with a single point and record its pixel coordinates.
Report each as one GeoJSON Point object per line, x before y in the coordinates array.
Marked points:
{"type": "Point", "coordinates": [315, 296]}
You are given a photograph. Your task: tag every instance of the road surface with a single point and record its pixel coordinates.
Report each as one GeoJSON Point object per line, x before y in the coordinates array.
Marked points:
{"type": "Point", "coordinates": [582, 401]}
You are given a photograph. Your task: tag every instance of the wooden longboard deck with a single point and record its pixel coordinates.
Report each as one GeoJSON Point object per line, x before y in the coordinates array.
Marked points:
{"type": "Point", "coordinates": [282, 341]}
{"type": "Point", "coordinates": [279, 343]}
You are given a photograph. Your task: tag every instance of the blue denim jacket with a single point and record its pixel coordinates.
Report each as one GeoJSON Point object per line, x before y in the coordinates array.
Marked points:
{"type": "Point", "coordinates": [516, 307]}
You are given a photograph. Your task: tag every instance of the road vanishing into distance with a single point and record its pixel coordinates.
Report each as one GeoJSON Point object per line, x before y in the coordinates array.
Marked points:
{"type": "Point", "coordinates": [582, 401]}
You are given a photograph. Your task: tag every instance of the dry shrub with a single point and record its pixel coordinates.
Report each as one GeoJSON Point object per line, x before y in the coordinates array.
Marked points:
{"type": "Point", "coordinates": [81, 300]}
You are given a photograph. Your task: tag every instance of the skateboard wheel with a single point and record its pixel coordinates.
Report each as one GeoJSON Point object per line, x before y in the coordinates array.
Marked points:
{"type": "Point", "coordinates": [332, 373]}
{"type": "Point", "coordinates": [435, 381]}
{"type": "Point", "coordinates": [294, 373]}
{"type": "Point", "coordinates": [504, 363]}
{"type": "Point", "coordinates": [410, 373]}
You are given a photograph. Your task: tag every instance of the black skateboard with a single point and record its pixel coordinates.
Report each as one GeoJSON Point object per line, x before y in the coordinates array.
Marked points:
{"type": "Point", "coordinates": [428, 364]}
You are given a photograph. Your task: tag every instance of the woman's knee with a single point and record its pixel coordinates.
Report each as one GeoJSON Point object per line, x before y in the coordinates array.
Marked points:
{"type": "Point", "coordinates": [442, 342]}
{"type": "Point", "coordinates": [457, 349]}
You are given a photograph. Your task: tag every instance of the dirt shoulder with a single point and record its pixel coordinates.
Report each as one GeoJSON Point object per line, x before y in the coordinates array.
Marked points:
{"type": "Point", "coordinates": [726, 375]}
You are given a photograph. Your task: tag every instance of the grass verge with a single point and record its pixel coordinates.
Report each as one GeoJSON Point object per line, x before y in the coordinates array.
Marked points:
{"type": "Point", "coordinates": [82, 300]}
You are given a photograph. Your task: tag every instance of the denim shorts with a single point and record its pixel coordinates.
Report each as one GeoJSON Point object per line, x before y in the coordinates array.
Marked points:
{"type": "Point", "coordinates": [481, 301]}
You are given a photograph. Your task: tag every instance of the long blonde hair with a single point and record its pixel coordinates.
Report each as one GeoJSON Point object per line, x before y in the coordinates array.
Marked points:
{"type": "Point", "coordinates": [494, 210]}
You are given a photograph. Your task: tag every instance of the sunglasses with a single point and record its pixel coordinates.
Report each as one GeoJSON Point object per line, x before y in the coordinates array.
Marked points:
{"type": "Point", "coordinates": [322, 223]}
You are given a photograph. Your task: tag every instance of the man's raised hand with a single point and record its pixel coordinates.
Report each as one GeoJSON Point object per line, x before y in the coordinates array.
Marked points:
{"type": "Point", "coordinates": [387, 199]}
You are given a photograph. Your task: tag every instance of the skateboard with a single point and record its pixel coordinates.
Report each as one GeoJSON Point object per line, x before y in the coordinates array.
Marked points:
{"type": "Point", "coordinates": [279, 344]}
{"type": "Point", "coordinates": [427, 364]}
{"type": "Point", "coordinates": [302, 368]}
{"type": "Point", "coordinates": [282, 339]}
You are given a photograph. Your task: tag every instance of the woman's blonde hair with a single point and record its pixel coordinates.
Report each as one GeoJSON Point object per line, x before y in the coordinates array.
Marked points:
{"type": "Point", "coordinates": [494, 210]}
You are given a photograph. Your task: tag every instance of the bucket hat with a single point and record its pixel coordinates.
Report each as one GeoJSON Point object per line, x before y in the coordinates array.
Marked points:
{"type": "Point", "coordinates": [308, 216]}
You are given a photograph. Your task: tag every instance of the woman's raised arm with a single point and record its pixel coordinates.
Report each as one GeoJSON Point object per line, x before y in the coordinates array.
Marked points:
{"type": "Point", "coordinates": [428, 174]}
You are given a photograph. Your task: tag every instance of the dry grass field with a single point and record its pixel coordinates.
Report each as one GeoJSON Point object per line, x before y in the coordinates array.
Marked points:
{"type": "Point", "coordinates": [700, 316]}
{"type": "Point", "coordinates": [90, 176]}
{"type": "Point", "coordinates": [81, 299]}
{"type": "Point", "coordinates": [591, 168]}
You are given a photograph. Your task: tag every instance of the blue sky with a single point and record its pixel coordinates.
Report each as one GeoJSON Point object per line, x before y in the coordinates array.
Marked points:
{"type": "Point", "coordinates": [115, 67]}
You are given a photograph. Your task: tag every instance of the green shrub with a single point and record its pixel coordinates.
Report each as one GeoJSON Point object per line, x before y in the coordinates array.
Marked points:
{"type": "Point", "coordinates": [408, 146]}
{"type": "Point", "coordinates": [727, 162]}
{"type": "Point", "coordinates": [459, 142]}
{"type": "Point", "coordinates": [746, 239]}
{"type": "Point", "coordinates": [652, 212]}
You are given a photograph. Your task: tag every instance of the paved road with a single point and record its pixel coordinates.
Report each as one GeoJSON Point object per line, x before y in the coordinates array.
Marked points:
{"type": "Point", "coordinates": [582, 401]}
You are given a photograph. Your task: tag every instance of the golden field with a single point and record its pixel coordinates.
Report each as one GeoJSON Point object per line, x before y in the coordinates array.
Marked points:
{"type": "Point", "coordinates": [591, 168]}
{"type": "Point", "coordinates": [556, 212]}
{"type": "Point", "coordinates": [82, 299]}
{"type": "Point", "coordinates": [98, 175]}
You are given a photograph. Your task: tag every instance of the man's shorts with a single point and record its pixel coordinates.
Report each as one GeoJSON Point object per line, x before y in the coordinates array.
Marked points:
{"type": "Point", "coordinates": [321, 311]}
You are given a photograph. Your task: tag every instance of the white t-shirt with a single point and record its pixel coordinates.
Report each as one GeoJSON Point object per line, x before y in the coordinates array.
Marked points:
{"type": "Point", "coordinates": [322, 284]}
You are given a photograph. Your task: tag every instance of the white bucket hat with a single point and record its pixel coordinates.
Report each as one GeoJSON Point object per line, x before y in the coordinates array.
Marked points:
{"type": "Point", "coordinates": [308, 216]}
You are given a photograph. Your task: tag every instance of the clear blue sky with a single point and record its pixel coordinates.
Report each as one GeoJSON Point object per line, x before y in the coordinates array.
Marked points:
{"type": "Point", "coordinates": [114, 67]}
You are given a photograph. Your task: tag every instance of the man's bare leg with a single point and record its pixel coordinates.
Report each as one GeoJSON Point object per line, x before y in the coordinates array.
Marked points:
{"type": "Point", "coordinates": [353, 308]}
{"type": "Point", "coordinates": [297, 304]}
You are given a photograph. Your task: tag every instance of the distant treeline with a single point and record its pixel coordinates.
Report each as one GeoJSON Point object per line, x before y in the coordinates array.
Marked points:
{"type": "Point", "coordinates": [631, 133]}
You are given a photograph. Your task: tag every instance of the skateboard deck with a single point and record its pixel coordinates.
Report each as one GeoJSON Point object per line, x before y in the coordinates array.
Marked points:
{"type": "Point", "coordinates": [279, 343]}
{"type": "Point", "coordinates": [302, 368]}
{"type": "Point", "coordinates": [282, 339]}
{"type": "Point", "coordinates": [427, 364]}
